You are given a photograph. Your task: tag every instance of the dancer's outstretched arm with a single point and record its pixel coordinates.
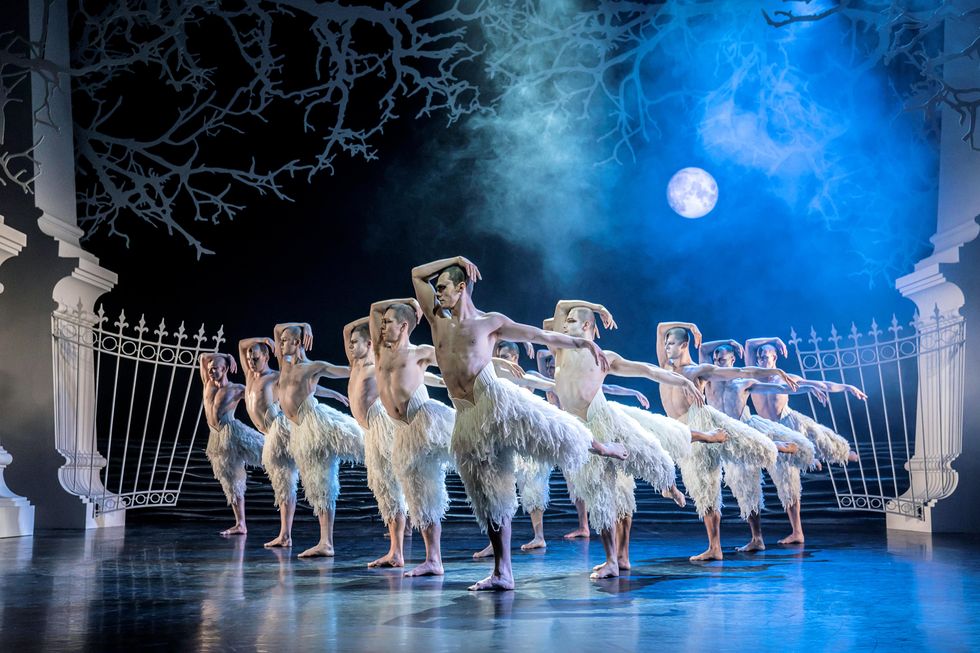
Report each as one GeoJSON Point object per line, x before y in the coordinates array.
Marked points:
{"type": "Point", "coordinates": [621, 391]}
{"type": "Point", "coordinates": [508, 329]}
{"type": "Point", "coordinates": [620, 366]}
{"type": "Point", "coordinates": [433, 380]}
{"type": "Point", "coordinates": [327, 393]}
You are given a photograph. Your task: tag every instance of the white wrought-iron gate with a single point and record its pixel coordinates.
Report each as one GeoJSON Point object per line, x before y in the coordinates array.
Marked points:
{"type": "Point", "coordinates": [132, 393]}
{"type": "Point", "coordinates": [910, 429]}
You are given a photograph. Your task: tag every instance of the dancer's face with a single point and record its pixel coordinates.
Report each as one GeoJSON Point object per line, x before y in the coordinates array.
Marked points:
{"type": "Point", "coordinates": [674, 347]}
{"type": "Point", "coordinates": [549, 366]}
{"type": "Point", "coordinates": [766, 356]}
{"type": "Point", "coordinates": [288, 343]}
{"type": "Point", "coordinates": [724, 358]}
{"type": "Point", "coordinates": [358, 346]}
{"type": "Point", "coordinates": [257, 359]}
{"type": "Point", "coordinates": [575, 325]}
{"type": "Point", "coordinates": [391, 328]}
{"type": "Point", "coordinates": [217, 369]}
{"type": "Point", "coordinates": [507, 354]}
{"type": "Point", "coordinates": [448, 293]}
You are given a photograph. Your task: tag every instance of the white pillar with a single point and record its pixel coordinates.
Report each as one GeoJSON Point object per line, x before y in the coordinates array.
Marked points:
{"type": "Point", "coordinates": [16, 512]}
{"type": "Point", "coordinates": [940, 417]}
{"type": "Point", "coordinates": [54, 195]}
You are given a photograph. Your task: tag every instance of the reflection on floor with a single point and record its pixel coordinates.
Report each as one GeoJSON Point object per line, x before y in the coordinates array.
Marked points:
{"type": "Point", "coordinates": [185, 588]}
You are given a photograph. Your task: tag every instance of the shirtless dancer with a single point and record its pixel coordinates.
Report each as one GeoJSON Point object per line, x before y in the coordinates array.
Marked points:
{"type": "Point", "coordinates": [321, 436]}
{"type": "Point", "coordinates": [495, 418]}
{"type": "Point", "coordinates": [547, 368]}
{"type": "Point", "coordinates": [607, 486]}
{"type": "Point", "coordinates": [829, 446]}
{"type": "Point", "coordinates": [533, 478]}
{"type": "Point", "coordinates": [795, 452]}
{"type": "Point", "coordinates": [231, 444]}
{"type": "Point", "coordinates": [702, 470]}
{"type": "Point", "coordinates": [423, 426]}
{"type": "Point", "coordinates": [379, 437]}
{"type": "Point", "coordinates": [262, 403]}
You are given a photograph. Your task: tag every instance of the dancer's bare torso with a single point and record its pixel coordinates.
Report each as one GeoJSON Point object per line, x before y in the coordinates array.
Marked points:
{"type": "Point", "coordinates": [676, 403]}
{"type": "Point", "coordinates": [220, 402]}
{"type": "Point", "coordinates": [770, 406]}
{"type": "Point", "coordinates": [464, 347]}
{"type": "Point", "coordinates": [297, 382]}
{"type": "Point", "coordinates": [362, 389]}
{"type": "Point", "coordinates": [400, 372]}
{"type": "Point", "coordinates": [577, 380]}
{"type": "Point", "coordinates": [729, 396]}
{"type": "Point", "coordinates": [260, 394]}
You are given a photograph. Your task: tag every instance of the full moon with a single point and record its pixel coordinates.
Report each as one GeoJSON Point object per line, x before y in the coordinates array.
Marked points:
{"type": "Point", "coordinates": [692, 192]}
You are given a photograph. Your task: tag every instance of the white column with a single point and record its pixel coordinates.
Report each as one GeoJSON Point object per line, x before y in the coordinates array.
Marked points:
{"type": "Point", "coordinates": [16, 512]}
{"type": "Point", "coordinates": [54, 195]}
{"type": "Point", "coordinates": [938, 444]}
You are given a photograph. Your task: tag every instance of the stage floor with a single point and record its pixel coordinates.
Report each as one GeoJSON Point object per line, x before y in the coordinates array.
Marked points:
{"type": "Point", "coordinates": [184, 588]}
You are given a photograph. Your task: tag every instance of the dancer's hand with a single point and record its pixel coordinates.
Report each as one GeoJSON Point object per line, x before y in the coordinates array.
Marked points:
{"type": "Point", "coordinates": [472, 272]}
{"type": "Point", "coordinates": [232, 365]}
{"type": "Point", "coordinates": [857, 392]}
{"type": "Point", "coordinates": [818, 394]}
{"type": "Point", "coordinates": [607, 318]}
{"type": "Point", "coordinates": [529, 350]}
{"type": "Point", "coordinates": [307, 337]}
{"type": "Point", "coordinates": [600, 358]}
{"type": "Point", "coordinates": [787, 379]}
{"type": "Point", "coordinates": [512, 368]}
{"type": "Point", "coordinates": [642, 398]}
{"type": "Point", "coordinates": [691, 392]}
{"type": "Point", "coordinates": [782, 347]}
{"type": "Point", "coordinates": [696, 332]}
{"type": "Point", "coordinates": [739, 350]}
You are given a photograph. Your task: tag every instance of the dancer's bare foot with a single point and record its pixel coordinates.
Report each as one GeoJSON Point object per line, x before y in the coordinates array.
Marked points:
{"type": "Point", "coordinates": [673, 493]}
{"type": "Point", "coordinates": [753, 545]}
{"type": "Point", "coordinates": [786, 447]}
{"type": "Point", "coordinates": [283, 541]}
{"type": "Point", "coordinates": [484, 553]}
{"type": "Point", "coordinates": [493, 583]}
{"type": "Point", "coordinates": [610, 450]}
{"type": "Point", "coordinates": [390, 560]}
{"type": "Point", "coordinates": [852, 457]}
{"type": "Point", "coordinates": [321, 550]}
{"type": "Point", "coordinates": [793, 538]}
{"type": "Point", "coordinates": [717, 435]}
{"type": "Point", "coordinates": [606, 570]}
{"type": "Point", "coordinates": [536, 543]}
{"type": "Point", "coordinates": [710, 554]}
{"type": "Point", "coordinates": [578, 532]}
{"type": "Point", "coordinates": [427, 568]}
{"type": "Point", "coordinates": [237, 529]}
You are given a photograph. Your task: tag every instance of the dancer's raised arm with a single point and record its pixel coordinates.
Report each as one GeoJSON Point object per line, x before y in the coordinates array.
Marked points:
{"type": "Point", "coordinates": [348, 330]}
{"type": "Point", "coordinates": [707, 349]}
{"type": "Point", "coordinates": [662, 330]}
{"type": "Point", "coordinates": [305, 333]}
{"type": "Point", "coordinates": [566, 306]}
{"type": "Point", "coordinates": [752, 348]}
{"type": "Point", "coordinates": [422, 276]}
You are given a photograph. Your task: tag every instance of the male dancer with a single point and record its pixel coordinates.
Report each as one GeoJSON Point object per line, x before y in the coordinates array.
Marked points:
{"type": "Point", "coordinates": [795, 452]}
{"type": "Point", "coordinates": [495, 418]}
{"type": "Point", "coordinates": [702, 470]}
{"type": "Point", "coordinates": [321, 436]}
{"type": "Point", "coordinates": [262, 403]}
{"type": "Point", "coordinates": [829, 446]}
{"type": "Point", "coordinates": [607, 487]}
{"type": "Point", "coordinates": [423, 426]}
{"type": "Point", "coordinates": [379, 434]}
{"type": "Point", "coordinates": [231, 444]}
{"type": "Point", "coordinates": [532, 476]}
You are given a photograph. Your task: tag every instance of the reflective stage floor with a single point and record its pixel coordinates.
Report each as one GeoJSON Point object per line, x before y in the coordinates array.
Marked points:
{"type": "Point", "coordinates": [184, 588]}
